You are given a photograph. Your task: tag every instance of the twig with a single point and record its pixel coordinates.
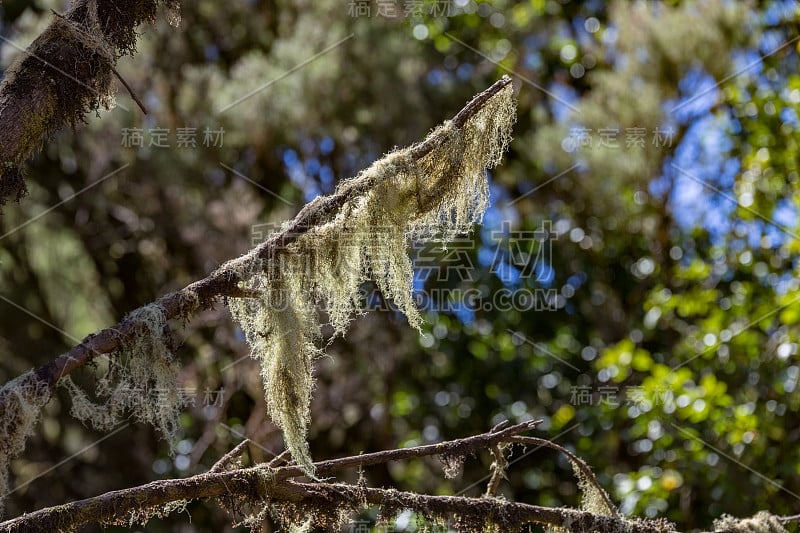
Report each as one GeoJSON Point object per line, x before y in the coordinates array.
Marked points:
{"type": "Point", "coordinates": [226, 459]}
{"type": "Point", "coordinates": [577, 461]}
{"type": "Point", "coordinates": [278, 459]}
{"type": "Point", "coordinates": [461, 447]}
{"type": "Point", "coordinates": [500, 425]}
{"type": "Point", "coordinates": [130, 91]}
{"type": "Point", "coordinates": [498, 470]}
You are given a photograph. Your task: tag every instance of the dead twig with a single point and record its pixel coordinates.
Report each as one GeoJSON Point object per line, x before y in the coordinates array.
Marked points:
{"type": "Point", "coordinates": [579, 463]}
{"type": "Point", "coordinates": [278, 459]}
{"type": "Point", "coordinates": [458, 447]}
{"type": "Point", "coordinates": [130, 91]}
{"type": "Point", "coordinates": [226, 459]}
{"type": "Point", "coordinates": [498, 470]}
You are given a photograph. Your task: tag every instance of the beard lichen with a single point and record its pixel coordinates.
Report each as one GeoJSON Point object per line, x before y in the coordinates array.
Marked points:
{"type": "Point", "coordinates": [593, 498]}
{"type": "Point", "coordinates": [23, 399]}
{"type": "Point", "coordinates": [302, 517]}
{"type": "Point", "coordinates": [250, 510]}
{"type": "Point", "coordinates": [142, 515]}
{"type": "Point", "coordinates": [410, 193]}
{"type": "Point", "coordinates": [453, 464]}
{"type": "Point", "coordinates": [141, 379]}
{"type": "Point", "coordinates": [281, 329]}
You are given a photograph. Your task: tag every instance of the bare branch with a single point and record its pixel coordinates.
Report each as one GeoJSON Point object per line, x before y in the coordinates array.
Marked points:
{"type": "Point", "coordinates": [462, 447]}
{"type": "Point", "coordinates": [576, 461]}
{"type": "Point", "coordinates": [278, 459]}
{"type": "Point", "coordinates": [130, 91]}
{"type": "Point", "coordinates": [498, 470]}
{"type": "Point", "coordinates": [226, 459]}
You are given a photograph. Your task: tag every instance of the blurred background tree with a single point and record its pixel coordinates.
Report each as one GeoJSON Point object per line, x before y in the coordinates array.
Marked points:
{"type": "Point", "coordinates": [652, 320]}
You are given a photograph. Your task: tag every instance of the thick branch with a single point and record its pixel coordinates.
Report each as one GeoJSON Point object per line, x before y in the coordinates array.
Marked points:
{"type": "Point", "coordinates": [224, 281]}
{"type": "Point", "coordinates": [65, 73]}
{"type": "Point", "coordinates": [113, 507]}
{"type": "Point", "coordinates": [471, 514]}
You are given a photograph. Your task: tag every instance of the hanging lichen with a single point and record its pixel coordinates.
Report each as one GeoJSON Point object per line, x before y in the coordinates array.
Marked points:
{"type": "Point", "coordinates": [281, 329]}
{"type": "Point", "coordinates": [22, 399]}
{"type": "Point", "coordinates": [142, 380]}
{"type": "Point", "coordinates": [593, 498]}
{"type": "Point", "coordinates": [408, 194]}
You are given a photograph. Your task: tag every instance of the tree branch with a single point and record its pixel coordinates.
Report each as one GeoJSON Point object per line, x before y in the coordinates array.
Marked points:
{"type": "Point", "coordinates": [229, 457]}
{"type": "Point", "coordinates": [498, 471]}
{"type": "Point", "coordinates": [577, 462]}
{"type": "Point", "coordinates": [224, 281]}
{"type": "Point", "coordinates": [461, 447]}
{"type": "Point", "coordinates": [113, 507]}
{"type": "Point", "coordinates": [262, 485]}
{"type": "Point", "coordinates": [278, 486]}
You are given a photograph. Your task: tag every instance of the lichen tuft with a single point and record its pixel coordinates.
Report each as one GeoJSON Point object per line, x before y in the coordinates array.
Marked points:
{"type": "Point", "coordinates": [412, 193]}
{"type": "Point", "coordinates": [23, 399]}
{"type": "Point", "coordinates": [593, 498]}
{"type": "Point", "coordinates": [142, 379]}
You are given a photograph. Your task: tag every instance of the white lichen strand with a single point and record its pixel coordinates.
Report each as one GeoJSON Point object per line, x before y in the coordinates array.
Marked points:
{"type": "Point", "coordinates": [23, 399]}
{"type": "Point", "coordinates": [103, 416]}
{"type": "Point", "coordinates": [142, 515]}
{"type": "Point", "coordinates": [593, 498]}
{"type": "Point", "coordinates": [281, 329]}
{"type": "Point", "coordinates": [142, 379]}
{"type": "Point", "coordinates": [440, 194]}
{"type": "Point", "coordinates": [453, 465]}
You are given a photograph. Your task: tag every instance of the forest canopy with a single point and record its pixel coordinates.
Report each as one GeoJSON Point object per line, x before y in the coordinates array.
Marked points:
{"type": "Point", "coordinates": [619, 277]}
